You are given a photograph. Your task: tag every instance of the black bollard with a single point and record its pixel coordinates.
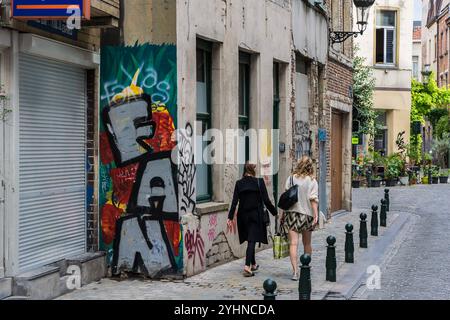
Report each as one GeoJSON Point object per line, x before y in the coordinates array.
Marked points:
{"type": "Point", "coordinates": [383, 222]}
{"type": "Point", "coordinates": [331, 259]}
{"type": "Point", "coordinates": [363, 231]}
{"type": "Point", "coordinates": [269, 289]}
{"type": "Point", "coordinates": [349, 245]}
{"type": "Point", "coordinates": [304, 286]}
{"type": "Point", "coordinates": [374, 222]}
{"type": "Point", "coordinates": [386, 197]}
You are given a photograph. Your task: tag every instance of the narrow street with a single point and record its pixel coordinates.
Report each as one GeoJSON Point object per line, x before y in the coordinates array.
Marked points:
{"type": "Point", "coordinates": [419, 268]}
{"type": "Point", "coordinates": [406, 276]}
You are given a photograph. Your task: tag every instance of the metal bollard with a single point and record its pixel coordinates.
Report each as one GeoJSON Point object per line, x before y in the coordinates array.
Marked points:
{"type": "Point", "coordinates": [331, 259]}
{"type": "Point", "coordinates": [349, 245]}
{"type": "Point", "coordinates": [363, 231]}
{"type": "Point", "coordinates": [304, 285]}
{"type": "Point", "coordinates": [386, 197]}
{"type": "Point", "coordinates": [374, 222]}
{"type": "Point", "coordinates": [383, 217]}
{"type": "Point", "coordinates": [270, 287]}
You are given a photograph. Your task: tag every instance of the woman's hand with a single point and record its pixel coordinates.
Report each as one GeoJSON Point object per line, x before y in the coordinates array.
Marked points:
{"type": "Point", "coordinates": [316, 219]}
{"type": "Point", "coordinates": [229, 223]}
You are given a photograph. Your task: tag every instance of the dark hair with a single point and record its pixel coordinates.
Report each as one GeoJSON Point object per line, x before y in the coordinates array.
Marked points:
{"type": "Point", "coordinates": [249, 169]}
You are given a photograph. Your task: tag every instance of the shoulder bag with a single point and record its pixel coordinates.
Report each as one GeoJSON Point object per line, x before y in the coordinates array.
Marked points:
{"type": "Point", "coordinates": [289, 198]}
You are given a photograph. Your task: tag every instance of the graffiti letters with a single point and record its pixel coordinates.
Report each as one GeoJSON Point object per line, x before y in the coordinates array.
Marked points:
{"type": "Point", "coordinates": [195, 246]}
{"type": "Point", "coordinates": [186, 170]}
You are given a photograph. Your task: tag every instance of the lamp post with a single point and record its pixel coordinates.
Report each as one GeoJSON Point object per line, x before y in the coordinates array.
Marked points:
{"type": "Point", "coordinates": [362, 15]}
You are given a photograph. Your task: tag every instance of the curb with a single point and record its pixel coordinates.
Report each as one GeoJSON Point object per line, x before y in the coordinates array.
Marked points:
{"type": "Point", "coordinates": [351, 276]}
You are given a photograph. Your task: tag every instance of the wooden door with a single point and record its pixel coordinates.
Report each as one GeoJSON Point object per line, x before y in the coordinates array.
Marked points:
{"type": "Point", "coordinates": [336, 161]}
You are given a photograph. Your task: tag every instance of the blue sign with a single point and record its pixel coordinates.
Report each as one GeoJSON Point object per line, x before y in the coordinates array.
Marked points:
{"type": "Point", "coordinates": [49, 9]}
{"type": "Point", "coordinates": [322, 135]}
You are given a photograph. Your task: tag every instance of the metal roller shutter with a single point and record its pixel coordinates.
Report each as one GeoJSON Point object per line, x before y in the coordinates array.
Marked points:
{"type": "Point", "coordinates": [52, 159]}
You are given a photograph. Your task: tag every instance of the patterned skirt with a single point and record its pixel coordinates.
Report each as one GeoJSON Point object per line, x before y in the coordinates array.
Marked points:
{"type": "Point", "coordinates": [297, 222]}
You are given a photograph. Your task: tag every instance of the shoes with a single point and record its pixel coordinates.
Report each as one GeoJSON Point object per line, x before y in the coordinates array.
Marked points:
{"type": "Point", "coordinates": [255, 268]}
{"type": "Point", "coordinates": [248, 274]}
{"type": "Point", "coordinates": [294, 277]}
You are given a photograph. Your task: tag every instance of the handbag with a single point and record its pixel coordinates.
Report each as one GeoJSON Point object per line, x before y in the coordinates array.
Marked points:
{"type": "Point", "coordinates": [266, 217]}
{"type": "Point", "coordinates": [289, 198]}
{"type": "Point", "coordinates": [280, 246]}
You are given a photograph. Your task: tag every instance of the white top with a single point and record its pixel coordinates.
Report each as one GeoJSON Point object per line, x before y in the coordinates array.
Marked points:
{"type": "Point", "coordinates": [308, 190]}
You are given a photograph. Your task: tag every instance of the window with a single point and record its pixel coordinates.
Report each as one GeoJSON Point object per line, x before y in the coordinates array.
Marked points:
{"type": "Point", "coordinates": [204, 70]}
{"type": "Point", "coordinates": [380, 140]}
{"type": "Point", "coordinates": [244, 106]}
{"type": "Point", "coordinates": [415, 60]}
{"type": "Point", "coordinates": [386, 37]}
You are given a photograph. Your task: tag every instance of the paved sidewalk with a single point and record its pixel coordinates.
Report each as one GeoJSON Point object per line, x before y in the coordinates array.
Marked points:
{"type": "Point", "coordinates": [226, 282]}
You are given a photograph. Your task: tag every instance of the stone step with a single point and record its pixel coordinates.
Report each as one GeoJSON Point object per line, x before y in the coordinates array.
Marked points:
{"type": "Point", "coordinates": [17, 298]}
{"type": "Point", "coordinates": [5, 287]}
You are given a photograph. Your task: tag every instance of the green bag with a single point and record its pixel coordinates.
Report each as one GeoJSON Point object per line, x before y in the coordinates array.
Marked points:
{"type": "Point", "coordinates": [280, 247]}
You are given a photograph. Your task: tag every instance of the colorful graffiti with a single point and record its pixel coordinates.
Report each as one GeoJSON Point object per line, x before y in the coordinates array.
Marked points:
{"type": "Point", "coordinates": [195, 246]}
{"type": "Point", "coordinates": [140, 226]}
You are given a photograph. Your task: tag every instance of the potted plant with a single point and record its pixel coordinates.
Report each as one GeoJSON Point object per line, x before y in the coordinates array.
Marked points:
{"type": "Point", "coordinates": [444, 176]}
{"type": "Point", "coordinates": [355, 180]}
{"type": "Point", "coordinates": [375, 182]}
{"type": "Point", "coordinates": [413, 179]}
{"type": "Point", "coordinates": [392, 170]}
{"type": "Point", "coordinates": [435, 175]}
{"type": "Point", "coordinates": [400, 158]}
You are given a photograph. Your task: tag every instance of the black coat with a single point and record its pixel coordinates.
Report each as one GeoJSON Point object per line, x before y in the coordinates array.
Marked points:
{"type": "Point", "coordinates": [251, 210]}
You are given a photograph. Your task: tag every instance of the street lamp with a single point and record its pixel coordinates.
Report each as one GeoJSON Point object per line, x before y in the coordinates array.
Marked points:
{"type": "Point", "coordinates": [362, 15]}
{"type": "Point", "coordinates": [426, 73]}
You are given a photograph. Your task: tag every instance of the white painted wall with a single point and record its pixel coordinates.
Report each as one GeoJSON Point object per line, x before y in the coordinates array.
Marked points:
{"type": "Point", "coordinates": [261, 27]}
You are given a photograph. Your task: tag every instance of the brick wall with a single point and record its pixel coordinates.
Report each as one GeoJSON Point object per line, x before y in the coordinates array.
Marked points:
{"type": "Point", "coordinates": [443, 48]}
{"type": "Point", "coordinates": [340, 78]}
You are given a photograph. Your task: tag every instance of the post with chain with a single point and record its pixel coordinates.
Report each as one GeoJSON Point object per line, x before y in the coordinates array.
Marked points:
{"type": "Point", "coordinates": [363, 231]}
{"type": "Point", "coordinates": [374, 222]}
{"type": "Point", "coordinates": [304, 285]}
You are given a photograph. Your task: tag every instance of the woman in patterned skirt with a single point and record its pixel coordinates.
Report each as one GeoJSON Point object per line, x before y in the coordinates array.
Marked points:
{"type": "Point", "coordinates": [302, 217]}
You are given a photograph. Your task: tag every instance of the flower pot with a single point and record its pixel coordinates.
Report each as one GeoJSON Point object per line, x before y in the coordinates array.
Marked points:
{"type": "Point", "coordinates": [435, 180]}
{"type": "Point", "coordinates": [413, 182]}
{"type": "Point", "coordinates": [404, 180]}
{"type": "Point", "coordinates": [443, 179]}
{"type": "Point", "coordinates": [391, 182]}
{"type": "Point", "coordinates": [375, 183]}
{"type": "Point", "coordinates": [356, 184]}
{"type": "Point", "coordinates": [425, 180]}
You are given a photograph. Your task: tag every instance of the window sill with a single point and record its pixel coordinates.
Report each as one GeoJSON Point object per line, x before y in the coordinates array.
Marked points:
{"type": "Point", "coordinates": [383, 67]}
{"type": "Point", "coordinates": [211, 207]}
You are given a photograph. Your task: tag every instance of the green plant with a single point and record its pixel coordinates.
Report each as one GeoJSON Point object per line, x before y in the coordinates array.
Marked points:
{"type": "Point", "coordinates": [393, 167]}
{"type": "Point", "coordinates": [443, 127]}
{"type": "Point", "coordinates": [441, 149]}
{"type": "Point", "coordinates": [435, 171]}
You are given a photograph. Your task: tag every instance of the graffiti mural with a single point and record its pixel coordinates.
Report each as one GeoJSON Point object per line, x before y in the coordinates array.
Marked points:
{"type": "Point", "coordinates": [187, 169]}
{"type": "Point", "coordinates": [140, 226]}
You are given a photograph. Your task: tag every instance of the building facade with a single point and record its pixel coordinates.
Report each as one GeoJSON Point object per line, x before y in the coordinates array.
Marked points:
{"type": "Point", "coordinates": [144, 169]}
{"type": "Point", "coordinates": [417, 51]}
{"type": "Point", "coordinates": [49, 76]}
{"type": "Point", "coordinates": [387, 47]}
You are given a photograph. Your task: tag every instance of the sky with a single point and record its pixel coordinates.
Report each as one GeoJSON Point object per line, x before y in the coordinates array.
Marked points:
{"type": "Point", "coordinates": [417, 10]}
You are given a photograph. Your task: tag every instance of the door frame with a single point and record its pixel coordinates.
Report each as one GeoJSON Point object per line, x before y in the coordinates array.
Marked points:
{"type": "Point", "coordinates": [2, 172]}
{"type": "Point", "coordinates": [337, 113]}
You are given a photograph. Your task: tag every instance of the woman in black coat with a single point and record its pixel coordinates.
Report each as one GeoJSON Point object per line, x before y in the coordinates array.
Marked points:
{"type": "Point", "coordinates": [251, 193]}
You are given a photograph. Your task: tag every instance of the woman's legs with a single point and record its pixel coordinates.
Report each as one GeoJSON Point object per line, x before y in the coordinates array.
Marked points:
{"type": "Point", "coordinates": [306, 239]}
{"type": "Point", "coordinates": [250, 255]}
{"type": "Point", "coordinates": [293, 247]}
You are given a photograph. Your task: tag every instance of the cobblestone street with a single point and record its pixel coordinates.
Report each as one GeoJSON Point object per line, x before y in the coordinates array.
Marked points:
{"type": "Point", "coordinates": [419, 266]}
{"type": "Point", "coordinates": [429, 203]}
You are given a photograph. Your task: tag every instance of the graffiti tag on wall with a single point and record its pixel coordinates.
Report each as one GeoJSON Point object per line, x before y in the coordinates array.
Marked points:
{"type": "Point", "coordinates": [138, 180]}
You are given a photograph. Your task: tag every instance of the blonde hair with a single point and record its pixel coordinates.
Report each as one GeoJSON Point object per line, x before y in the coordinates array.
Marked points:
{"type": "Point", "coordinates": [304, 167]}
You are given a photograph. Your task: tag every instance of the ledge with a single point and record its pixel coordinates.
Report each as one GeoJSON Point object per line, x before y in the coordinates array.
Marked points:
{"type": "Point", "coordinates": [211, 207]}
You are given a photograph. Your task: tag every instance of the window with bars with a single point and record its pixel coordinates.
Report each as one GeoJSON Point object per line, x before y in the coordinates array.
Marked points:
{"type": "Point", "coordinates": [386, 37]}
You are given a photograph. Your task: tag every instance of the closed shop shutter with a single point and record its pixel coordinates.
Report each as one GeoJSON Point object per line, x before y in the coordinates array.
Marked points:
{"type": "Point", "coordinates": [52, 159]}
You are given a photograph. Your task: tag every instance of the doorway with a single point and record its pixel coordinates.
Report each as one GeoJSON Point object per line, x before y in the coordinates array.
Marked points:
{"type": "Point", "coordinates": [336, 161]}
